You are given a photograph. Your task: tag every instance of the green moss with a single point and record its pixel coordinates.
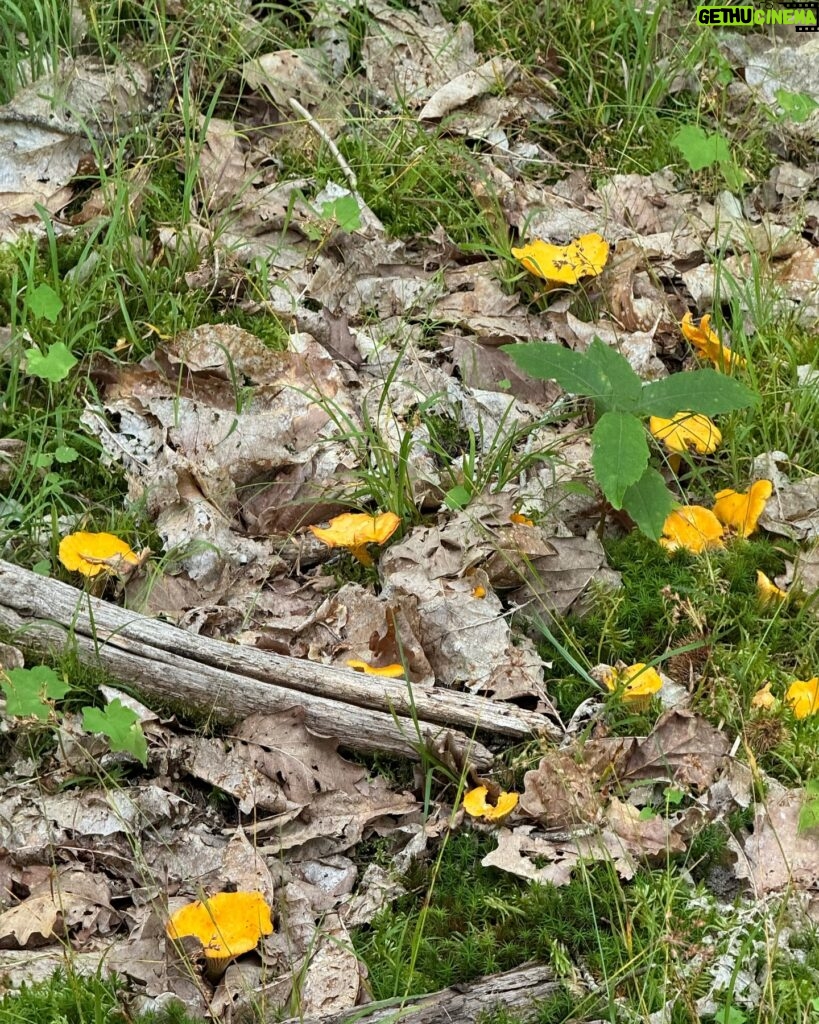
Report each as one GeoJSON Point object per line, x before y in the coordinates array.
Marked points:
{"type": "Point", "coordinates": [68, 998]}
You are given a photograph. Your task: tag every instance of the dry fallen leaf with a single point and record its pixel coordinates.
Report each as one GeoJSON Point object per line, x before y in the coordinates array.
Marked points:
{"type": "Point", "coordinates": [682, 748]}
{"type": "Point", "coordinates": [777, 854]}
{"type": "Point", "coordinates": [561, 791]}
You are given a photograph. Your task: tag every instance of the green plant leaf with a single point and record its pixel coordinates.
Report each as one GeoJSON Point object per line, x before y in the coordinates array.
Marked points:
{"type": "Point", "coordinates": [457, 497]}
{"type": "Point", "coordinates": [626, 386]}
{"type": "Point", "coordinates": [65, 453]}
{"type": "Point", "coordinates": [704, 391]}
{"type": "Point", "coordinates": [809, 812]}
{"type": "Point", "coordinates": [649, 503]}
{"type": "Point", "coordinates": [345, 211]}
{"type": "Point", "coordinates": [730, 1015]}
{"type": "Point", "coordinates": [122, 727]}
{"type": "Point", "coordinates": [55, 365]}
{"type": "Point", "coordinates": [797, 106]}
{"type": "Point", "coordinates": [573, 371]}
{"type": "Point", "coordinates": [700, 148]}
{"type": "Point", "coordinates": [619, 455]}
{"type": "Point", "coordinates": [44, 303]}
{"type": "Point", "coordinates": [29, 691]}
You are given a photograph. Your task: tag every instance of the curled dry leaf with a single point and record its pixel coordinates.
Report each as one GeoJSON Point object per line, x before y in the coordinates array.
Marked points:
{"type": "Point", "coordinates": [565, 264]}
{"type": "Point", "coordinates": [693, 528]}
{"type": "Point", "coordinates": [763, 698]}
{"type": "Point", "coordinates": [560, 792]}
{"type": "Point", "coordinates": [682, 748]}
{"type": "Point", "coordinates": [686, 431]}
{"type": "Point", "coordinates": [741, 511]}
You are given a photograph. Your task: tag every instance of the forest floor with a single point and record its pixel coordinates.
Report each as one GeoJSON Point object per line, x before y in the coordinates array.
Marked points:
{"type": "Point", "coordinates": [533, 292]}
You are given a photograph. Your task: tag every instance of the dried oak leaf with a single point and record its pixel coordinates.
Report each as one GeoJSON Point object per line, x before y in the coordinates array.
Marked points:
{"type": "Point", "coordinates": [682, 748]}
{"type": "Point", "coordinates": [560, 792]}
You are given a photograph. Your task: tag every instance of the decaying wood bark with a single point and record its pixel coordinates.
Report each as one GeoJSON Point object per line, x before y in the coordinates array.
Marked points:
{"type": "Point", "coordinates": [519, 991]}
{"type": "Point", "coordinates": [230, 681]}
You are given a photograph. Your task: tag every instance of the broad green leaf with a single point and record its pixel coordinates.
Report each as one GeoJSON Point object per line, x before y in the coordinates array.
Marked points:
{"type": "Point", "coordinates": [619, 454]}
{"type": "Point", "coordinates": [798, 106]}
{"type": "Point", "coordinates": [457, 497]}
{"type": "Point", "coordinates": [705, 391]}
{"type": "Point", "coordinates": [44, 302]}
{"type": "Point", "coordinates": [29, 690]}
{"type": "Point", "coordinates": [700, 148]}
{"type": "Point", "coordinates": [626, 386]}
{"type": "Point", "coordinates": [55, 365]}
{"type": "Point", "coordinates": [345, 211]}
{"type": "Point", "coordinates": [121, 725]}
{"type": "Point", "coordinates": [649, 503]}
{"type": "Point", "coordinates": [573, 371]}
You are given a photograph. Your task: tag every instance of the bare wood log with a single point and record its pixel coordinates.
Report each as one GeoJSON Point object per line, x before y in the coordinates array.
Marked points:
{"type": "Point", "coordinates": [231, 680]}
{"type": "Point", "coordinates": [519, 990]}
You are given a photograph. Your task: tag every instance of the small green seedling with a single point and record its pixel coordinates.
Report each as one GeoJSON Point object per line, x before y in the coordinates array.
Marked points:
{"type": "Point", "coordinates": [44, 303]}
{"type": "Point", "coordinates": [121, 725]}
{"type": "Point", "coordinates": [809, 812]}
{"type": "Point", "coordinates": [701, 149]}
{"type": "Point", "coordinates": [54, 366]}
{"type": "Point", "coordinates": [31, 692]}
{"type": "Point", "coordinates": [620, 452]}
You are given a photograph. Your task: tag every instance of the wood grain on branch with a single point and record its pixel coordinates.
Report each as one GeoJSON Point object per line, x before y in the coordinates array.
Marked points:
{"type": "Point", "coordinates": [519, 991]}
{"type": "Point", "coordinates": [230, 681]}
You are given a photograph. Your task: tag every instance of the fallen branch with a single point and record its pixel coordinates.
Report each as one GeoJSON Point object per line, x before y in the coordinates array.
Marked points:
{"type": "Point", "coordinates": [230, 681]}
{"type": "Point", "coordinates": [518, 991]}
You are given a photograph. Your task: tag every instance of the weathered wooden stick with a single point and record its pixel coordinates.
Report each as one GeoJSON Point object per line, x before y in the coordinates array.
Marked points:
{"type": "Point", "coordinates": [519, 990]}
{"type": "Point", "coordinates": [231, 680]}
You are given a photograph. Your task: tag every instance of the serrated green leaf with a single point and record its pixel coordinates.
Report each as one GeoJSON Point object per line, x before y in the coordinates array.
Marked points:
{"type": "Point", "coordinates": [619, 454]}
{"type": "Point", "coordinates": [122, 727]}
{"type": "Point", "coordinates": [573, 371]}
{"type": "Point", "coordinates": [626, 386]}
{"type": "Point", "coordinates": [55, 365]}
{"type": "Point", "coordinates": [649, 503]}
{"type": "Point", "coordinates": [700, 148]}
{"type": "Point", "coordinates": [704, 391]}
{"type": "Point", "coordinates": [44, 303]}
{"type": "Point", "coordinates": [65, 453]}
{"type": "Point", "coordinates": [29, 691]}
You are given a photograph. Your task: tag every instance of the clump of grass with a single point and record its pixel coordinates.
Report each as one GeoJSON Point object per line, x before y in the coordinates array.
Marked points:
{"type": "Point", "coordinates": [69, 998]}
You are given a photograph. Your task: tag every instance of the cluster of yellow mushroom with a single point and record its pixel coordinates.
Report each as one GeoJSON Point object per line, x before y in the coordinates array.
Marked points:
{"type": "Point", "coordinates": [735, 514]}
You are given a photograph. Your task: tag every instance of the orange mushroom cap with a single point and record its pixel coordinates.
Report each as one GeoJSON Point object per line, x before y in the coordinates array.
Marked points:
{"type": "Point", "coordinates": [227, 924]}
